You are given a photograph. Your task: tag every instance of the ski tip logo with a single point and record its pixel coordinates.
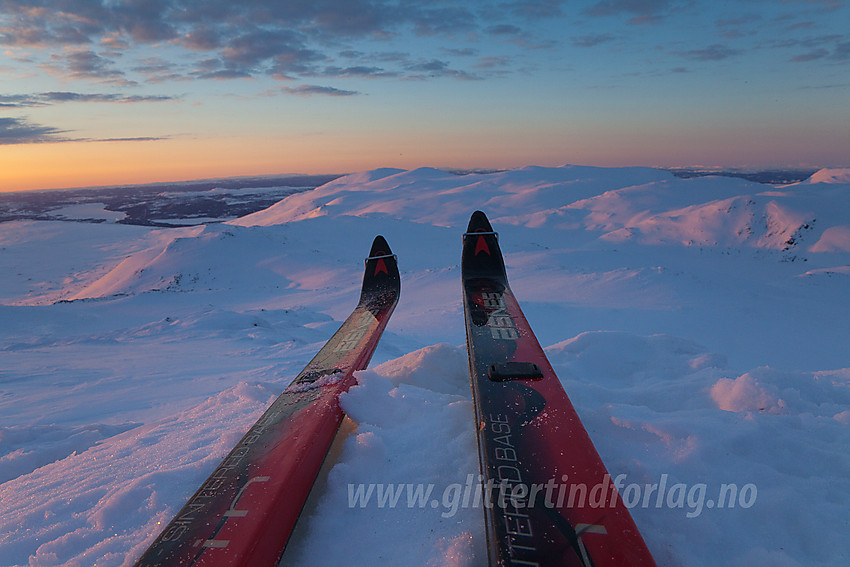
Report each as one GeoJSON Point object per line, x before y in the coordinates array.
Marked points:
{"type": "Point", "coordinates": [481, 246]}
{"type": "Point", "coordinates": [380, 265]}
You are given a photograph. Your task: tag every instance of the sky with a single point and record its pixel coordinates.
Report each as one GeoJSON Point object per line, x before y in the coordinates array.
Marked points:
{"type": "Point", "coordinates": [103, 92]}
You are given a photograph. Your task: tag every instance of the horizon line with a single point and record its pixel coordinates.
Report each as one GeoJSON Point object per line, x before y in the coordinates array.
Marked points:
{"type": "Point", "coordinates": [458, 170]}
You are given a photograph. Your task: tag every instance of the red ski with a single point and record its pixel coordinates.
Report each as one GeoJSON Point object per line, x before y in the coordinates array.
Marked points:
{"type": "Point", "coordinates": [538, 464]}
{"type": "Point", "coordinates": [245, 511]}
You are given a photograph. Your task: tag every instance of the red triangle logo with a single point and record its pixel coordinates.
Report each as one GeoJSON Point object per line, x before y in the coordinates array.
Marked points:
{"type": "Point", "coordinates": [381, 267]}
{"type": "Point", "coordinates": [481, 246]}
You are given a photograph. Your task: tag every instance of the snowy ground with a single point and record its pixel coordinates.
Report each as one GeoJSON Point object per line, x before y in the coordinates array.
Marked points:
{"type": "Point", "coordinates": [700, 326]}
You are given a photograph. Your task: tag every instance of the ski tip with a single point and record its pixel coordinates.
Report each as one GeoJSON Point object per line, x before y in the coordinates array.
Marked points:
{"type": "Point", "coordinates": [482, 257]}
{"type": "Point", "coordinates": [381, 281]}
{"type": "Point", "coordinates": [478, 223]}
{"type": "Point", "coordinates": [380, 247]}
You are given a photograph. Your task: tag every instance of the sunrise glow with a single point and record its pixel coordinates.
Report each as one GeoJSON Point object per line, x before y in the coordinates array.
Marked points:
{"type": "Point", "coordinates": [104, 92]}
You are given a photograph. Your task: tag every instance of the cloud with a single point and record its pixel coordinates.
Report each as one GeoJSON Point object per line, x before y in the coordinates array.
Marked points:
{"type": "Point", "coordinates": [833, 47]}
{"type": "Point", "coordinates": [226, 39]}
{"type": "Point", "coordinates": [136, 139]}
{"type": "Point", "coordinates": [58, 97]}
{"type": "Point", "coordinates": [842, 51]}
{"type": "Point", "coordinates": [255, 46]}
{"type": "Point", "coordinates": [715, 52]}
{"type": "Point", "coordinates": [641, 11]}
{"type": "Point", "coordinates": [535, 9]}
{"type": "Point", "coordinates": [202, 37]}
{"type": "Point", "coordinates": [21, 131]}
{"type": "Point", "coordinates": [38, 24]}
{"type": "Point", "coordinates": [158, 70]}
{"type": "Point", "coordinates": [82, 64]}
{"type": "Point", "coordinates": [738, 21]}
{"type": "Point", "coordinates": [437, 68]}
{"type": "Point", "coordinates": [810, 56]}
{"type": "Point", "coordinates": [493, 63]}
{"type": "Point", "coordinates": [461, 52]}
{"type": "Point", "coordinates": [592, 40]}
{"type": "Point", "coordinates": [358, 71]}
{"type": "Point", "coordinates": [14, 131]}
{"type": "Point", "coordinates": [503, 29]}
{"type": "Point", "coordinates": [828, 86]}
{"type": "Point", "coordinates": [738, 27]}
{"type": "Point", "coordinates": [214, 68]}
{"type": "Point", "coordinates": [431, 19]}
{"type": "Point", "coordinates": [312, 90]}
{"type": "Point", "coordinates": [402, 65]}
{"type": "Point", "coordinates": [210, 24]}
{"type": "Point", "coordinates": [145, 21]}
{"type": "Point", "coordinates": [809, 42]}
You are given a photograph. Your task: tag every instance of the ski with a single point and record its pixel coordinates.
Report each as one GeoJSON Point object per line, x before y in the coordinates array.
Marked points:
{"type": "Point", "coordinates": [548, 499]}
{"type": "Point", "coordinates": [245, 511]}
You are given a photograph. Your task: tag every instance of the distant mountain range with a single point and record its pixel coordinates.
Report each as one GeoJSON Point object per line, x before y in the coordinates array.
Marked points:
{"type": "Point", "coordinates": [197, 202]}
{"type": "Point", "coordinates": [158, 204]}
{"type": "Point", "coordinates": [769, 176]}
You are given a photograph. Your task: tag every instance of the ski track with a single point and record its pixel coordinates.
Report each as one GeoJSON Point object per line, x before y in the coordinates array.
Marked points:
{"type": "Point", "coordinates": [698, 325]}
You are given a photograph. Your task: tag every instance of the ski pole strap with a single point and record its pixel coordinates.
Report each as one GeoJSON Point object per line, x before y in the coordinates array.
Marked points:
{"type": "Point", "coordinates": [381, 257]}
{"type": "Point", "coordinates": [491, 233]}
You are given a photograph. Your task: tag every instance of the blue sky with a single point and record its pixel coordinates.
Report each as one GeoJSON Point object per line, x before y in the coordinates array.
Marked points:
{"type": "Point", "coordinates": [141, 90]}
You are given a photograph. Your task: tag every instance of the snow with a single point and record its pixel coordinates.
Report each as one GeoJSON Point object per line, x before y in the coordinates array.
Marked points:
{"type": "Point", "coordinates": [700, 327]}
{"type": "Point", "coordinates": [833, 239]}
{"type": "Point", "coordinates": [830, 175]}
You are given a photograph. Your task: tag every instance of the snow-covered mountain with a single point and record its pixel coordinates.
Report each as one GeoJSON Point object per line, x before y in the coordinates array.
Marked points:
{"type": "Point", "coordinates": [699, 325]}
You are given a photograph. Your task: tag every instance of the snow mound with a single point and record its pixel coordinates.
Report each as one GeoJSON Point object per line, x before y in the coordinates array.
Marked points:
{"type": "Point", "coordinates": [828, 175]}
{"type": "Point", "coordinates": [829, 272]}
{"type": "Point", "coordinates": [612, 205]}
{"type": "Point", "coordinates": [833, 239]}
{"type": "Point", "coordinates": [396, 419]}
{"type": "Point", "coordinates": [745, 393]}
{"type": "Point", "coordinates": [107, 513]}
{"type": "Point", "coordinates": [24, 449]}
{"type": "Point", "coordinates": [733, 222]}
{"type": "Point", "coordinates": [436, 197]}
{"type": "Point", "coordinates": [207, 258]}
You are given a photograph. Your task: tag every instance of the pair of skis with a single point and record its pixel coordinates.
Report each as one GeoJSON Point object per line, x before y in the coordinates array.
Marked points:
{"type": "Point", "coordinates": [530, 440]}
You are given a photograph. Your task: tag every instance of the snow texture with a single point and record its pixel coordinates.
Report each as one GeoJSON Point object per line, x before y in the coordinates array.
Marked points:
{"type": "Point", "coordinates": [700, 327]}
